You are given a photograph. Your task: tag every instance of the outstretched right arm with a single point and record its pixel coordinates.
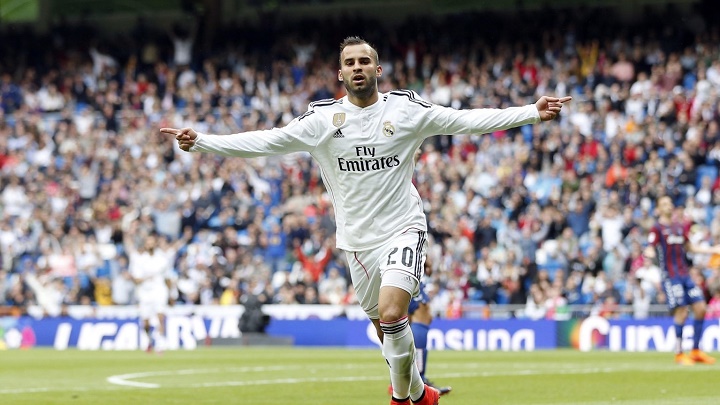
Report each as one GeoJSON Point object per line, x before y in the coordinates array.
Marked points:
{"type": "Point", "coordinates": [299, 135]}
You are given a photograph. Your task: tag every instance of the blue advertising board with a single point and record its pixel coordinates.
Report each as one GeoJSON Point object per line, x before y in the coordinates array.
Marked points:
{"type": "Point", "coordinates": [185, 331]}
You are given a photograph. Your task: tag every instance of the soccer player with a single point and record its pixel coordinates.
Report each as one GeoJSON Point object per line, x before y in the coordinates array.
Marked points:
{"type": "Point", "coordinates": [364, 144]}
{"type": "Point", "coordinates": [148, 268]}
{"type": "Point", "coordinates": [670, 238]}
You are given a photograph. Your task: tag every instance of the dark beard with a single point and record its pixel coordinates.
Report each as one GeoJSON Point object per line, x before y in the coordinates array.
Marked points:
{"type": "Point", "coordinates": [362, 93]}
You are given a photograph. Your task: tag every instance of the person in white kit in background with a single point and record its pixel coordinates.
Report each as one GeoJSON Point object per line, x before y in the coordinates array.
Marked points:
{"type": "Point", "coordinates": [364, 144]}
{"type": "Point", "coordinates": [149, 267]}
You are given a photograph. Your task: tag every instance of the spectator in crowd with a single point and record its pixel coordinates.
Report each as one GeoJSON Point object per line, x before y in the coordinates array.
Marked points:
{"type": "Point", "coordinates": [535, 307]}
{"type": "Point", "coordinates": [713, 310]}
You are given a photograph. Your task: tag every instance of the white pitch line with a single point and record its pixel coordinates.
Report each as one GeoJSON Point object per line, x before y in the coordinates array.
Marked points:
{"type": "Point", "coordinates": [57, 389]}
{"type": "Point", "coordinates": [124, 379]}
{"type": "Point", "coordinates": [23, 390]}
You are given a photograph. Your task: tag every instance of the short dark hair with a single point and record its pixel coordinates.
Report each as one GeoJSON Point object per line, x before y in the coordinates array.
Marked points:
{"type": "Point", "coordinates": [355, 40]}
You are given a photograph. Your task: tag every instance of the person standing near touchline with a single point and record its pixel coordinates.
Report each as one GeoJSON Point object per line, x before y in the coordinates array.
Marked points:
{"type": "Point", "coordinates": [148, 268]}
{"type": "Point", "coordinates": [364, 144]}
{"type": "Point", "coordinates": [670, 238]}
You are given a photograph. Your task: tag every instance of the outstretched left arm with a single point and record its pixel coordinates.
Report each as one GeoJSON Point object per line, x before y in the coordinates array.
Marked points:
{"type": "Point", "coordinates": [549, 107]}
{"type": "Point", "coordinates": [433, 119]}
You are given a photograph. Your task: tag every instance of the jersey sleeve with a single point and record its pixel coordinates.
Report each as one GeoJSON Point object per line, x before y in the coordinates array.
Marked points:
{"type": "Point", "coordinates": [686, 228]}
{"type": "Point", "coordinates": [654, 236]}
{"type": "Point", "coordinates": [298, 136]}
{"type": "Point", "coordinates": [432, 119]}
{"type": "Point", "coordinates": [134, 269]}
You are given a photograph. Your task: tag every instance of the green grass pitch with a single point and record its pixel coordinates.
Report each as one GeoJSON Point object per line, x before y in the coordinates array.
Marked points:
{"type": "Point", "coordinates": [273, 376]}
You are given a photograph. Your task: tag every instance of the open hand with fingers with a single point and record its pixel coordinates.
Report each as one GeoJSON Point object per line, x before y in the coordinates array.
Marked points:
{"type": "Point", "coordinates": [549, 107]}
{"type": "Point", "coordinates": [185, 136]}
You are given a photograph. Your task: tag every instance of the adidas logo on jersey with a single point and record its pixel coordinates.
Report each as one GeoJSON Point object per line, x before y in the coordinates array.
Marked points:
{"type": "Point", "coordinates": [338, 134]}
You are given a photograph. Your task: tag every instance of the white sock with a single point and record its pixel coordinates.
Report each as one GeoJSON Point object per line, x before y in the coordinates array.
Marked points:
{"type": "Point", "coordinates": [159, 341]}
{"type": "Point", "coordinates": [399, 352]}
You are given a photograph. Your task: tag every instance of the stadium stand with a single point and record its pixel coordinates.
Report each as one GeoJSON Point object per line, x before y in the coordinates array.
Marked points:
{"type": "Point", "coordinates": [535, 219]}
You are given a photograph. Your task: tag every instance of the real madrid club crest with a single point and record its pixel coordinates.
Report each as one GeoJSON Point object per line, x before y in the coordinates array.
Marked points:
{"type": "Point", "coordinates": [338, 119]}
{"type": "Point", "coordinates": [388, 129]}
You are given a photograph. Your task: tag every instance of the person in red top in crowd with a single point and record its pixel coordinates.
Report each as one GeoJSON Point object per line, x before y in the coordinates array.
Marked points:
{"type": "Point", "coordinates": [615, 174]}
{"type": "Point", "coordinates": [314, 266]}
{"type": "Point", "coordinates": [589, 147]}
{"type": "Point", "coordinates": [463, 149]}
{"type": "Point", "coordinates": [683, 104]}
{"type": "Point", "coordinates": [633, 153]}
{"type": "Point", "coordinates": [3, 156]}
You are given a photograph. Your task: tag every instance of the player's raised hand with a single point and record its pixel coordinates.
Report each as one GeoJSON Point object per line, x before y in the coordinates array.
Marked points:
{"type": "Point", "coordinates": [549, 107]}
{"type": "Point", "coordinates": [185, 136]}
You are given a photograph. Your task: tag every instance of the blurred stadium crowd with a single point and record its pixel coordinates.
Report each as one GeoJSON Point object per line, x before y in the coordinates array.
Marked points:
{"type": "Point", "coordinates": [544, 217]}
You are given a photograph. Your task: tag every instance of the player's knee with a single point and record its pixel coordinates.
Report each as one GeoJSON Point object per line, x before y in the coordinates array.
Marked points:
{"type": "Point", "coordinates": [681, 313]}
{"type": "Point", "coordinates": [393, 304]}
{"type": "Point", "coordinates": [392, 313]}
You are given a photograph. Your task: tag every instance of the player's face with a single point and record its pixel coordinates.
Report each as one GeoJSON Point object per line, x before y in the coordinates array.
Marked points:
{"type": "Point", "coordinates": [359, 70]}
{"type": "Point", "coordinates": [665, 206]}
{"type": "Point", "coordinates": [150, 243]}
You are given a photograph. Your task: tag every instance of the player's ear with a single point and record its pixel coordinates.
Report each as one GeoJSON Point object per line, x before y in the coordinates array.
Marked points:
{"type": "Point", "coordinates": [340, 75]}
{"type": "Point", "coordinates": [378, 71]}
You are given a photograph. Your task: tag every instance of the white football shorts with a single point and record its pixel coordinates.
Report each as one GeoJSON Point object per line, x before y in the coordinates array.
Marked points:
{"type": "Point", "coordinates": [150, 304]}
{"type": "Point", "coordinates": [398, 263]}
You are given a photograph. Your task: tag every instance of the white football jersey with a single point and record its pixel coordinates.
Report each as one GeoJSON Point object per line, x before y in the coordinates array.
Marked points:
{"type": "Point", "coordinates": [366, 155]}
{"type": "Point", "coordinates": [152, 268]}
